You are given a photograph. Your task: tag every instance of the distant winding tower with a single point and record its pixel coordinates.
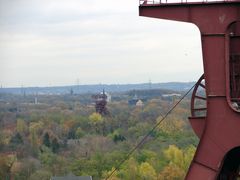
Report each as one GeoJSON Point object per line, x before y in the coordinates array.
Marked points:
{"type": "Point", "coordinates": [101, 103]}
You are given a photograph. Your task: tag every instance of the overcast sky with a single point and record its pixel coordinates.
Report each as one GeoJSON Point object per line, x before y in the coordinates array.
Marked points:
{"type": "Point", "coordinates": [64, 42]}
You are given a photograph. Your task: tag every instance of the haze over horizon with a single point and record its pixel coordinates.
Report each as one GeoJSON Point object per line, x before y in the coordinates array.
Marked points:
{"type": "Point", "coordinates": [103, 84]}
{"type": "Point", "coordinates": [60, 43]}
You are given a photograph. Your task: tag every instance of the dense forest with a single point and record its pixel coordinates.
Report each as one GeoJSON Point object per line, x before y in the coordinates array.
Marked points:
{"type": "Point", "coordinates": [55, 135]}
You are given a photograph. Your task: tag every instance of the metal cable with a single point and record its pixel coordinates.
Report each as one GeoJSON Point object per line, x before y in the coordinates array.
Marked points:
{"type": "Point", "coordinates": [148, 134]}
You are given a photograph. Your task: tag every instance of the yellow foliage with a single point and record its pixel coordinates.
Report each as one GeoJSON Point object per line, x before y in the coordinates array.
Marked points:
{"type": "Point", "coordinates": [175, 155]}
{"type": "Point", "coordinates": [36, 127]}
{"type": "Point", "coordinates": [6, 163]}
{"type": "Point", "coordinates": [171, 172]}
{"type": "Point", "coordinates": [188, 156]}
{"type": "Point", "coordinates": [128, 172]}
{"type": "Point", "coordinates": [147, 172]}
{"type": "Point", "coordinates": [131, 169]}
{"type": "Point", "coordinates": [113, 177]}
{"type": "Point", "coordinates": [179, 161]}
{"type": "Point", "coordinates": [6, 137]}
{"type": "Point", "coordinates": [16, 167]}
{"type": "Point", "coordinates": [96, 118]}
{"type": "Point", "coordinates": [21, 126]}
{"type": "Point", "coordinates": [171, 125]}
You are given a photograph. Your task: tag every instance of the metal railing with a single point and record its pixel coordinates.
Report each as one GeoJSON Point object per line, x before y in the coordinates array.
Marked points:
{"type": "Point", "coordinates": [152, 2]}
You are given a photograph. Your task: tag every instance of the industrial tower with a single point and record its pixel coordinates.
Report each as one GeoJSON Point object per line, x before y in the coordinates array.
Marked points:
{"type": "Point", "coordinates": [218, 123]}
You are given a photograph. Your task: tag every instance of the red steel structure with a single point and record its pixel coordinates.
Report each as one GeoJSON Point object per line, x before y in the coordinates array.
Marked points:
{"type": "Point", "coordinates": [215, 115]}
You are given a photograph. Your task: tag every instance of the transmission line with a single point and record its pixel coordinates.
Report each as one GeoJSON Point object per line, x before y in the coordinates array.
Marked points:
{"type": "Point", "coordinates": [148, 134]}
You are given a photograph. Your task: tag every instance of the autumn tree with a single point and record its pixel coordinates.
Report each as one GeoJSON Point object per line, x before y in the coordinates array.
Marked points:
{"type": "Point", "coordinates": [171, 172]}
{"type": "Point", "coordinates": [46, 140]}
{"type": "Point", "coordinates": [179, 161]}
{"type": "Point", "coordinates": [22, 127]}
{"type": "Point", "coordinates": [16, 142]}
{"type": "Point", "coordinates": [171, 125]}
{"type": "Point", "coordinates": [35, 129]}
{"type": "Point", "coordinates": [40, 175]}
{"type": "Point", "coordinates": [79, 132]}
{"type": "Point", "coordinates": [130, 170]}
{"type": "Point", "coordinates": [96, 120]}
{"type": "Point", "coordinates": [113, 176]}
{"type": "Point", "coordinates": [147, 172]}
{"type": "Point", "coordinates": [22, 169]}
{"type": "Point", "coordinates": [2, 139]}
{"type": "Point", "coordinates": [51, 161]}
{"type": "Point", "coordinates": [6, 163]}
{"type": "Point", "coordinates": [55, 145]}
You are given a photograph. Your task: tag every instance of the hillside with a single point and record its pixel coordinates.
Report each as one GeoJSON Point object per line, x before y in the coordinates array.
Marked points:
{"type": "Point", "coordinates": [81, 89]}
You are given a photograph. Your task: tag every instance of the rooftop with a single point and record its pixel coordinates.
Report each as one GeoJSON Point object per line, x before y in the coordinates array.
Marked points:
{"type": "Point", "coordinates": [71, 178]}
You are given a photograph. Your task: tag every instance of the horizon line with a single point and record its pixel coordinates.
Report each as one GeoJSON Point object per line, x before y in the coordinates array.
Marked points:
{"type": "Point", "coordinates": [95, 84]}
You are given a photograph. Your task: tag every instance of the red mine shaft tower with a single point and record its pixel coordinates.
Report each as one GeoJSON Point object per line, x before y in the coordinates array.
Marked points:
{"type": "Point", "coordinates": [218, 123]}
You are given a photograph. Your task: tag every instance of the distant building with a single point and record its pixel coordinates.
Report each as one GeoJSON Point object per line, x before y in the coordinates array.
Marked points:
{"type": "Point", "coordinates": [35, 100]}
{"type": "Point", "coordinates": [71, 177]}
{"type": "Point", "coordinates": [73, 141]}
{"type": "Point", "coordinates": [135, 101]}
{"type": "Point", "coordinates": [139, 103]}
{"type": "Point", "coordinates": [171, 95]}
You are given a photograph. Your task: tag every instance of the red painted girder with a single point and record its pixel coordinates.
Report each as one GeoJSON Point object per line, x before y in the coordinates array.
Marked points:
{"type": "Point", "coordinates": [221, 130]}
{"type": "Point", "coordinates": [210, 18]}
{"type": "Point", "coordinates": [198, 125]}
